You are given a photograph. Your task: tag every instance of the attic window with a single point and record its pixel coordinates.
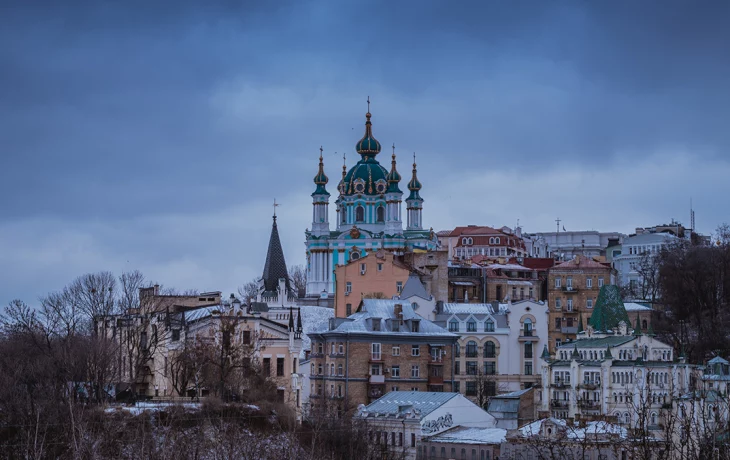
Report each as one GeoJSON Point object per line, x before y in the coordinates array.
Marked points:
{"type": "Point", "coordinates": [415, 325]}
{"type": "Point", "coordinates": [376, 324]}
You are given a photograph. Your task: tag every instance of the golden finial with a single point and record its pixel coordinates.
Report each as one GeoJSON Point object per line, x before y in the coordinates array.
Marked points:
{"type": "Point", "coordinates": [320, 153]}
{"type": "Point", "coordinates": [414, 160]}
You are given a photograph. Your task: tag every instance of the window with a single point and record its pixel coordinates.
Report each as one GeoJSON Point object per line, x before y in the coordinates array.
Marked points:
{"type": "Point", "coordinates": [589, 282]}
{"type": "Point", "coordinates": [471, 326]}
{"type": "Point", "coordinates": [569, 282]}
{"type": "Point", "coordinates": [489, 326]}
{"type": "Point", "coordinates": [343, 215]}
{"type": "Point", "coordinates": [396, 351]}
{"type": "Point", "coordinates": [363, 269]}
{"type": "Point", "coordinates": [589, 303]}
{"type": "Point", "coordinates": [557, 283]}
{"type": "Point", "coordinates": [489, 349]}
{"type": "Point", "coordinates": [558, 304]}
{"type": "Point", "coordinates": [376, 352]}
{"type": "Point", "coordinates": [558, 323]}
{"type": "Point", "coordinates": [399, 286]}
{"type": "Point", "coordinates": [413, 439]}
{"type": "Point", "coordinates": [332, 348]}
{"type": "Point", "coordinates": [528, 350]}
{"type": "Point", "coordinates": [319, 369]}
{"type": "Point", "coordinates": [348, 287]}
{"type": "Point", "coordinates": [496, 240]}
{"type": "Point", "coordinates": [339, 369]}
{"type": "Point", "coordinates": [279, 367]}
{"type": "Point", "coordinates": [457, 387]}
{"type": "Point", "coordinates": [453, 326]}
{"type": "Point", "coordinates": [359, 214]}
{"type": "Point", "coordinates": [570, 304]}
{"type": "Point", "coordinates": [490, 367]}
{"type": "Point", "coordinates": [471, 349]}
{"type": "Point", "coordinates": [471, 388]}
{"type": "Point", "coordinates": [457, 367]}
{"type": "Point", "coordinates": [380, 213]}
{"type": "Point", "coordinates": [457, 350]}
{"type": "Point", "coordinates": [395, 372]}
{"type": "Point", "coordinates": [176, 335]}
{"type": "Point", "coordinates": [471, 368]}
{"type": "Point", "coordinates": [380, 267]}
{"type": "Point", "coordinates": [600, 282]}
{"type": "Point", "coordinates": [415, 350]}
{"type": "Point", "coordinates": [376, 324]}
{"type": "Point", "coordinates": [267, 366]}
{"type": "Point", "coordinates": [348, 309]}
{"type": "Point", "coordinates": [415, 371]}
{"type": "Point", "coordinates": [374, 369]}
{"type": "Point", "coordinates": [415, 325]}
{"type": "Point", "coordinates": [354, 255]}
{"type": "Point", "coordinates": [528, 368]}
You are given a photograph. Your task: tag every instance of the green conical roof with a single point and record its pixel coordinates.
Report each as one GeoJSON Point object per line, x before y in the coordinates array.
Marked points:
{"type": "Point", "coordinates": [580, 323]}
{"type": "Point", "coordinates": [651, 330]}
{"type": "Point", "coordinates": [545, 353]}
{"type": "Point", "coordinates": [609, 310]}
{"type": "Point", "coordinates": [575, 354]}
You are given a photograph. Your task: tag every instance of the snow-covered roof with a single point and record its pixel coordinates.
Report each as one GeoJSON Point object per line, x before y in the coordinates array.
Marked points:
{"type": "Point", "coordinates": [648, 238]}
{"type": "Point", "coordinates": [474, 308]}
{"type": "Point", "coordinates": [467, 435]}
{"type": "Point", "coordinates": [314, 319]}
{"type": "Point", "coordinates": [398, 403]}
{"type": "Point", "coordinates": [717, 360]}
{"type": "Point", "coordinates": [384, 309]}
{"type": "Point", "coordinates": [633, 306]}
{"type": "Point", "coordinates": [532, 429]}
{"type": "Point", "coordinates": [203, 312]}
{"type": "Point", "coordinates": [592, 428]}
{"type": "Point", "coordinates": [509, 267]}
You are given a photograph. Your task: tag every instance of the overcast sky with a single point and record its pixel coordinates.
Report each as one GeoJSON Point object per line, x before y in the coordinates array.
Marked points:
{"type": "Point", "coordinates": [155, 135]}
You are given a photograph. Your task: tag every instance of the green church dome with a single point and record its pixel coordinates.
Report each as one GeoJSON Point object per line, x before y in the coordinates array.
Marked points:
{"type": "Point", "coordinates": [367, 177]}
{"type": "Point", "coordinates": [368, 145]}
{"type": "Point", "coordinates": [321, 178]}
{"type": "Point", "coordinates": [414, 185]}
{"type": "Point", "coordinates": [393, 177]}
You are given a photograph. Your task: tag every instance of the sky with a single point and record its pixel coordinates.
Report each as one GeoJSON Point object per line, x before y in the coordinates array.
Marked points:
{"type": "Point", "coordinates": [156, 135]}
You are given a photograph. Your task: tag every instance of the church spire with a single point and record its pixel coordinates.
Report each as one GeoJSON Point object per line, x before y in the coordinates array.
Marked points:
{"type": "Point", "coordinates": [414, 185]}
{"type": "Point", "coordinates": [321, 178]}
{"type": "Point", "coordinates": [393, 176]}
{"type": "Point", "coordinates": [275, 266]}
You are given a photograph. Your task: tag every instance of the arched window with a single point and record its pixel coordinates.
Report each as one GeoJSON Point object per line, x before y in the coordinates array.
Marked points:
{"type": "Point", "coordinates": [496, 240]}
{"type": "Point", "coordinates": [489, 326]}
{"type": "Point", "coordinates": [527, 327]}
{"type": "Point", "coordinates": [380, 214]}
{"type": "Point", "coordinates": [491, 240]}
{"type": "Point", "coordinates": [332, 369]}
{"type": "Point", "coordinates": [343, 215]}
{"type": "Point", "coordinates": [471, 241]}
{"type": "Point", "coordinates": [464, 241]}
{"type": "Point", "coordinates": [359, 214]}
{"type": "Point", "coordinates": [489, 349]}
{"type": "Point", "coordinates": [339, 369]}
{"type": "Point", "coordinates": [471, 349]}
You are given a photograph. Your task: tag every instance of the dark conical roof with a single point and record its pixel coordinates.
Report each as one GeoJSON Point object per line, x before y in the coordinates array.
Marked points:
{"type": "Point", "coordinates": [275, 267]}
{"type": "Point", "coordinates": [609, 310]}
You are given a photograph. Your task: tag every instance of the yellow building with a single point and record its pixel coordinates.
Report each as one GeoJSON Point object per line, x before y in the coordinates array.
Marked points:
{"type": "Point", "coordinates": [377, 275]}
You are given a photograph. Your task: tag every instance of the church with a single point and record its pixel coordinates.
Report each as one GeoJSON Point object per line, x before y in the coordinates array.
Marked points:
{"type": "Point", "coordinates": [368, 218]}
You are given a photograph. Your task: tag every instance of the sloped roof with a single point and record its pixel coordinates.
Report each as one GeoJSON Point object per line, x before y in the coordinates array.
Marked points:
{"type": "Point", "coordinates": [469, 435]}
{"type": "Point", "coordinates": [581, 261]}
{"type": "Point", "coordinates": [609, 310]}
{"type": "Point", "coordinates": [538, 263]}
{"type": "Point", "coordinates": [601, 342]}
{"type": "Point", "coordinates": [398, 402]}
{"type": "Point", "coordinates": [414, 287]}
{"type": "Point", "coordinates": [275, 266]}
{"type": "Point", "coordinates": [717, 360]}
{"type": "Point", "coordinates": [633, 306]}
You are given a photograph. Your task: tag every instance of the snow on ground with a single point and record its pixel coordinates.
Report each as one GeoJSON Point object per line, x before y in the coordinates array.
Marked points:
{"type": "Point", "coordinates": [314, 319]}
{"type": "Point", "coordinates": [152, 406]}
{"type": "Point", "coordinates": [466, 435]}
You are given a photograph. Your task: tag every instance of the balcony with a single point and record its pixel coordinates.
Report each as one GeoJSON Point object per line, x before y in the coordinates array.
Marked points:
{"type": "Point", "coordinates": [558, 403]}
{"type": "Point", "coordinates": [570, 289]}
{"type": "Point", "coordinates": [377, 379]}
{"type": "Point", "coordinates": [589, 405]}
{"type": "Point", "coordinates": [435, 379]}
{"type": "Point", "coordinates": [590, 385]}
{"type": "Point", "coordinates": [560, 384]}
{"type": "Point", "coordinates": [376, 391]}
{"type": "Point", "coordinates": [376, 358]}
{"type": "Point", "coordinates": [569, 330]}
{"type": "Point", "coordinates": [435, 359]}
{"type": "Point", "coordinates": [528, 336]}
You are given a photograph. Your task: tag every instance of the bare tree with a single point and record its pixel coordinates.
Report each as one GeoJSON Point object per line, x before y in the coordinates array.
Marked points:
{"type": "Point", "coordinates": [249, 291]}
{"type": "Point", "coordinates": [298, 276]}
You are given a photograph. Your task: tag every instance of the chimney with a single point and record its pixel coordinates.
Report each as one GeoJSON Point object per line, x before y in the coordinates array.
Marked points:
{"type": "Point", "coordinates": [157, 289]}
{"type": "Point", "coordinates": [398, 311]}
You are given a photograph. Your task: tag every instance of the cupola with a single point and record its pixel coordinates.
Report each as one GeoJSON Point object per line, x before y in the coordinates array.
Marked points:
{"type": "Point", "coordinates": [321, 178]}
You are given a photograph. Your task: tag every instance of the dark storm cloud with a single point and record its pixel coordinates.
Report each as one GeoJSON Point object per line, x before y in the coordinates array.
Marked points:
{"type": "Point", "coordinates": [127, 127]}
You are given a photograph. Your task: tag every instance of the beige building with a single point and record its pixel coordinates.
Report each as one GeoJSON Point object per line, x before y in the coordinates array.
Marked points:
{"type": "Point", "coordinates": [385, 346]}
{"type": "Point", "coordinates": [573, 288]}
{"type": "Point", "coordinates": [377, 275]}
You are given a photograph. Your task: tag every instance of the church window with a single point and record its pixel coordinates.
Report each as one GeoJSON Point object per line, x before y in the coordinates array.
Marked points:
{"type": "Point", "coordinates": [343, 215]}
{"type": "Point", "coordinates": [381, 214]}
{"type": "Point", "coordinates": [355, 255]}
{"type": "Point", "coordinates": [359, 214]}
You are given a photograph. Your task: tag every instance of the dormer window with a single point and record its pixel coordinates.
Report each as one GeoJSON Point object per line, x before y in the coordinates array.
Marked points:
{"type": "Point", "coordinates": [489, 326]}
{"type": "Point", "coordinates": [415, 325]}
{"type": "Point", "coordinates": [376, 324]}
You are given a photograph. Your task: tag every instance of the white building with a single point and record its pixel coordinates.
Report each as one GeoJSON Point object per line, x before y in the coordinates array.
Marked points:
{"type": "Point", "coordinates": [400, 419]}
{"type": "Point", "coordinates": [500, 340]}
{"type": "Point", "coordinates": [566, 245]}
{"type": "Point", "coordinates": [633, 248]}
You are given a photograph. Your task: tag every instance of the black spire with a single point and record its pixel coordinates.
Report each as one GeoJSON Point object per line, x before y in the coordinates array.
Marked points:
{"type": "Point", "coordinates": [291, 319]}
{"type": "Point", "coordinates": [299, 323]}
{"type": "Point", "coordinates": [275, 267]}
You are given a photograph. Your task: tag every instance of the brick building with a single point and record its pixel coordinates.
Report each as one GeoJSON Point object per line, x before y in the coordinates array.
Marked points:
{"type": "Point", "coordinates": [384, 346]}
{"type": "Point", "coordinates": [472, 240]}
{"type": "Point", "coordinates": [572, 289]}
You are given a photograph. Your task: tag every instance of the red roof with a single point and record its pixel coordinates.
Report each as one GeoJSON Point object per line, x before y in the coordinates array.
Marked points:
{"type": "Point", "coordinates": [581, 261]}
{"type": "Point", "coordinates": [538, 263]}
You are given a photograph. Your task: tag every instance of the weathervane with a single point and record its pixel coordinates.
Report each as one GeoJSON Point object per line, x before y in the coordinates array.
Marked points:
{"type": "Point", "coordinates": [275, 206]}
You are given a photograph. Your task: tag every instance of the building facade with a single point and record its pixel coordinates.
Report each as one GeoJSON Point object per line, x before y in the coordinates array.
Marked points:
{"type": "Point", "coordinates": [403, 420]}
{"type": "Point", "coordinates": [498, 345]}
{"type": "Point", "coordinates": [385, 346]}
{"type": "Point", "coordinates": [369, 216]}
{"type": "Point", "coordinates": [635, 267]}
{"type": "Point", "coordinates": [572, 289]}
{"type": "Point", "coordinates": [378, 274]}
{"type": "Point", "coordinates": [566, 245]}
